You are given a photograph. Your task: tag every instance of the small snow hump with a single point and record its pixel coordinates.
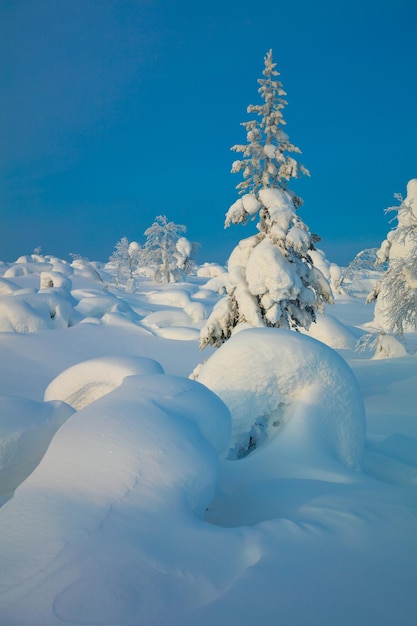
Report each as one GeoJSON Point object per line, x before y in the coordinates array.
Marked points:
{"type": "Point", "coordinates": [290, 391]}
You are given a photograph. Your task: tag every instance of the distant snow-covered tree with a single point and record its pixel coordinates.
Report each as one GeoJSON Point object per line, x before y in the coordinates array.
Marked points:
{"type": "Point", "coordinates": [186, 251]}
{"type": "Point", "coordinates": [396, 291]}
{"type": "Point", "coordinates": [82, 263]}
{"type": "Point", "coordinates": [160, 251]}
{"type": "Point", "coordinates": [272, 279]}
{"type": "Point", "coordinates": [125, 259]}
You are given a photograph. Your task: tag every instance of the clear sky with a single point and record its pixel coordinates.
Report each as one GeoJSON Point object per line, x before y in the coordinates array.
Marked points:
{"type": "Point", "coordinates": [116, 111]}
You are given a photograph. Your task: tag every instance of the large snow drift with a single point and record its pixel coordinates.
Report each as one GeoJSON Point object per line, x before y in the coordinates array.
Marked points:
{"type": "Point", "coordinates": [136, 468]}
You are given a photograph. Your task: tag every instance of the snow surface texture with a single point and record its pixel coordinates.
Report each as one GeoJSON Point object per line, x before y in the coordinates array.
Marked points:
{"type": "Point", "coordinates": [291, 391]}
{"type": "Point", "coordinates": [134, 515]}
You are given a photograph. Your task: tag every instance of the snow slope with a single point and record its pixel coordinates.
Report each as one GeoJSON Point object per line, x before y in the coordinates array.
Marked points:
{"type": "Point", "coordinates": [136, 512]}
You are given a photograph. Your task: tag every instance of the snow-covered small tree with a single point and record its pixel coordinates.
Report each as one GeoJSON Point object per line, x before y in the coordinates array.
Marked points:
{"type": "Point", "coordinates": [125, 259]}
{"type": "Point", "coordinates": [160, 250]}
{"type": "Point", "coordinates": [186, 251]}
{"type": "Point", "coordinates": [272, 280]}
{"type": "Point", "coordinates": [90, 267]}
{"type": "Point", "coordinates": [396, 292]}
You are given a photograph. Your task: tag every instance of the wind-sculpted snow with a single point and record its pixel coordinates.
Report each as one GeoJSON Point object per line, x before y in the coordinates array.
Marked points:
{"type": "Point", "coordinates": [291, 391]}
{"type": "Point", "coordinates": [26, 429]}
{"type": "Point", "coordinates": [85, 382]}
{"type": "Point", "coordinates": [137, 467]}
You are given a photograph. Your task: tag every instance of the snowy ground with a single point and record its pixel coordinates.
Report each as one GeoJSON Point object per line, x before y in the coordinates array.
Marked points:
{"type": "Point", "coordinates": [128, 494]}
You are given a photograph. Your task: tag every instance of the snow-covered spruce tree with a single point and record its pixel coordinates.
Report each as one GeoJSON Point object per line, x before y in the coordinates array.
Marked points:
{"type": "Point", "coordinates": [125, 259]}
{"type": "Point", "coordinates": [160, 250]}
{"type": "Point", "coordinates": [396, 292]}
{"type": "Point", "coordinates": [272, 280]}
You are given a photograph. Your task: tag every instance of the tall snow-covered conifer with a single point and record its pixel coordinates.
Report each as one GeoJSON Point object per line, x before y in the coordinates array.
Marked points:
{"type": "Point", "coordinates": [272, 280]}
{"type": "Point", "coordinates": [396, 292]}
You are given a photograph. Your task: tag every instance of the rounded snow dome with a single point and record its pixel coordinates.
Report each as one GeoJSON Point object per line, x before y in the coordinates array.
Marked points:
{"type": "Point", "coordinates": [85, 382]}
{"type": "Point", "coordinates": [290, 390]}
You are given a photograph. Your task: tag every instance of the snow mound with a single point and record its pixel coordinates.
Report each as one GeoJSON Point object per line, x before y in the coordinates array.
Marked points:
{"type": "Point", "coordinates": [26, 429]}
{"type": "Point", "coordinates": [117, 503]}
{"type": "Point", "coordinates": [178, 333]}
{"type": "Point", "coordinates": [179, 298]}
{"type": "Point", "coordinates": [56, 280]}
{"type": "Point", "coordinates": [28, 311]}
{"type": "Point", "coordinates": [388, 347]}
{"type": "Point", "coordinates": [85, 382]}
{"type": "Point", "coordinates": [277, 382]}
{"type": "Point", "coordinates": [210, 270]}
{"type": "Point", "coordinates": [166, 317]}
{"type": "Point", "coordinates": [332, 332]}
{"type": "Point", "coordinates": [96, 303]}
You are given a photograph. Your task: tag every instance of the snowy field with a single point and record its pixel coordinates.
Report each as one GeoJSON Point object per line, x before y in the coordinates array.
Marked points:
{"type": "Point", "coordinates": [276, 486]}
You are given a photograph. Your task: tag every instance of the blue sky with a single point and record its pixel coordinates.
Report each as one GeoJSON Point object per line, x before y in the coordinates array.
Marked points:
{"type": "Point", "coordinates": [116, 111]}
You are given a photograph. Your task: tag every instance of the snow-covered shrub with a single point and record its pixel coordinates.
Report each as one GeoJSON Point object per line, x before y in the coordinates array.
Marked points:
{"type": "Point", "coordinates": [294, 390]}
{"type": "Point", "coordinates": [272, 277]}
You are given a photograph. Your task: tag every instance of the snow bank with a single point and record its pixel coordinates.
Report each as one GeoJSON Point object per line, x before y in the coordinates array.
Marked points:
{"type": "Point", "coordinates": [85, 382]}
{"type": "Point", "coordinates": [281, 385]}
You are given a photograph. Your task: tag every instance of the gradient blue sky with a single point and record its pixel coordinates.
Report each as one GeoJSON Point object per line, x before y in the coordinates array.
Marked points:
{"type": "Point", "coordinates": [115, 111]}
